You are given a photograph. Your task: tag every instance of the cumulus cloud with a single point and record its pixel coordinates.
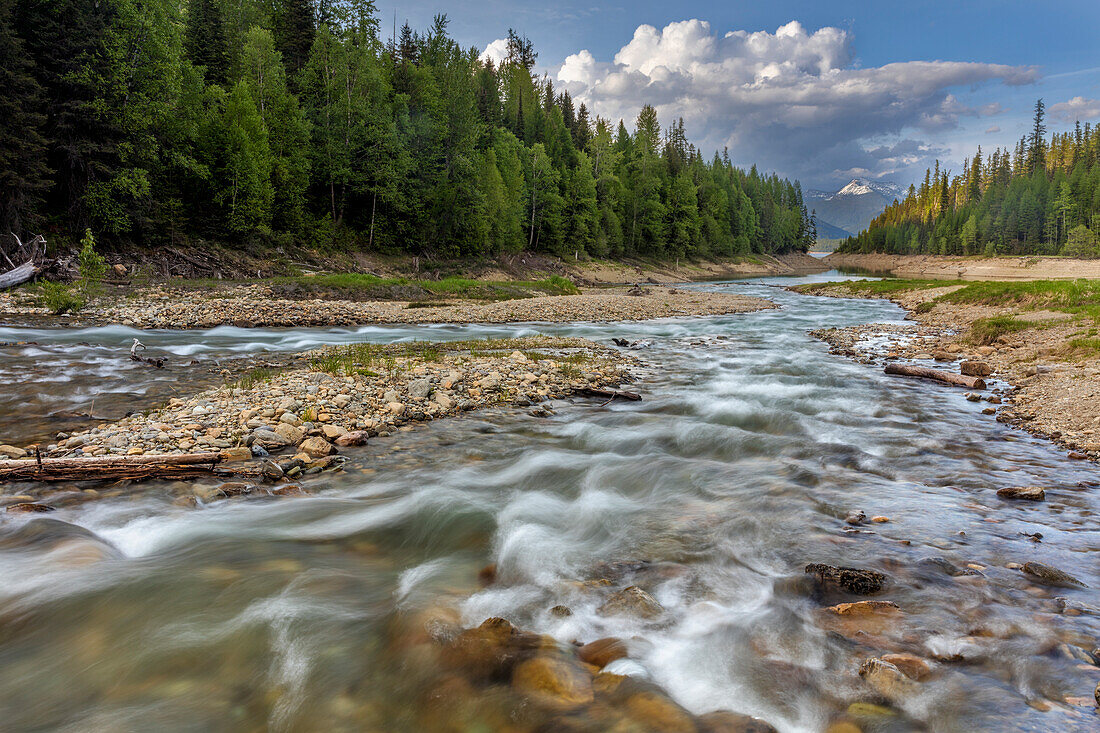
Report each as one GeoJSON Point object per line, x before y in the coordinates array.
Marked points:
{"type": "Point", "coordinates": [1076, 109]}
{"type": "Point", "coordinates": [793, 100]}
{"type": "Point", "coordinates": [496, 51]}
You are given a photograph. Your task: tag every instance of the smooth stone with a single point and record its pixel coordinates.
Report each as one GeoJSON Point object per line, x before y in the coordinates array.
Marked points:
{"type": "Point", "coordinates": [913, 666]}
{"type": "Point", "coordinates": [418, 389]}
{"type": "Point", "coordinates": [293, 435]}
{"type": "Point", "coordinates": [632, 601]}
{"type": "Point", "coordinates": [1051, 576]}
{"type": "Point", "coordinates": [1025, 493]}
{"type": "Point", "coordinates": [237, 454]}
{"type": "Point", "coordinates": [723, 721]}
{"type": "Point", "coordinates": [358, 437]}
{"type": "Point", "coordinates": [864, 608]}
{"type": "Point", "coordinates": [317, 447]}
{"type": "Point", "coordinates": [553, 682]}
{"type": "Point", "coordinates": [660, 713]}
{"type": "Point", "coordinates": [975, 369]}
{"type": "Point", "coordinates": [332, 432]}
{"type": "Point", "coordinates": [602, 651]}
{"type": "Point", "coordinates": [10, 451]}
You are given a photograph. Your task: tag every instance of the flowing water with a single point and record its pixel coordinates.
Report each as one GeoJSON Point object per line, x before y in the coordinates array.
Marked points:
{"type": "Point", "coordinates": [752, 443]}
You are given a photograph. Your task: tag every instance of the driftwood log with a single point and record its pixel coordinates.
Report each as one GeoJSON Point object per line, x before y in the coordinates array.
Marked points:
{"type": "Point", "coordinates": [608, 394]}
{"type": "Point", "coordinates": [18, 275]}
{"type": "Point", "coordinates": [113, 468]}
{"type": "Point", "coordinates": [938, 375]}
{"type": "Point", "coordinates": [157, 362]}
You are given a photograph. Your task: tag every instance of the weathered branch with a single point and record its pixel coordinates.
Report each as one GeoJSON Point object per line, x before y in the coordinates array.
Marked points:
{"type": "Point", "coordinates": [938, 375]}
{"type": "Point", "coordinates": [113, 467]}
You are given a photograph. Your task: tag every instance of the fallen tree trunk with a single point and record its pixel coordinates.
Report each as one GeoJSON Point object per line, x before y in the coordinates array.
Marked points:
{"type": "Point", "coordinates": [609, 394]}
{"type": "Point", "coordinates": [18, 276]}
{"type": "Point", "coordinates": [938, 375]}
{"type": "Point", "coordinates": [114, 467]}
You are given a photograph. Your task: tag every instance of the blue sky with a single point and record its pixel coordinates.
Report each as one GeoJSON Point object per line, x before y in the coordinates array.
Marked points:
{"type": "Point", "coordinates": [877, 89]}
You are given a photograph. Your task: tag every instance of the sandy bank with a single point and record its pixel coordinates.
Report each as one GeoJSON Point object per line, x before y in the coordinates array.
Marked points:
{"type": "Point", "coordinates": [968, 268]}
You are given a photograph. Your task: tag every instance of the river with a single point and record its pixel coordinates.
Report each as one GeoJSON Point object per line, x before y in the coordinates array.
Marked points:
{"type": "Point", "coordinates": [737, 469]}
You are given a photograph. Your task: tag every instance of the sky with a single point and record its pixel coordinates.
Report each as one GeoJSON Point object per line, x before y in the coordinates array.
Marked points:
{"type": "Point", "coordinates": [819, 91]}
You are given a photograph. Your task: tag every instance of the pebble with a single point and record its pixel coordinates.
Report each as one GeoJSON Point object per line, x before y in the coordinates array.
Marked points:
{"type": "Point", "coordinates": [1025, 493]}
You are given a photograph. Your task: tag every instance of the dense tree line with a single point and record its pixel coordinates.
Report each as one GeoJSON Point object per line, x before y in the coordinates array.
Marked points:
{"type": "Point", "coordinates": [1042, 198]}
{"type": "Point", "coordinates": [156, 121]}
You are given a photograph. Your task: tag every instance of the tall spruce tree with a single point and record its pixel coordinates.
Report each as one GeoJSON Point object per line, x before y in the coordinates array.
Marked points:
{"type": "Point", "coordinates": [205, 42]}
{"type": "Point", "coordinates": [294, 31]}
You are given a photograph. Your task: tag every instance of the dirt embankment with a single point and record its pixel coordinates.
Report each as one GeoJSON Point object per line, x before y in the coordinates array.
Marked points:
{"type": "Point", "coordinates": [1049, 358]}
{"type": "Point", "coordinates": [968, 268]}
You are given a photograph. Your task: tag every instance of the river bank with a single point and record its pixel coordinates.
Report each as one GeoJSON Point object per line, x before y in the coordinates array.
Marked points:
{"type": "Point", "coordinates": [937, 267]}
{"type": "Point", "coordinates": [257, 305]}
{"type": "Point", "coordinates": [1038, 339]}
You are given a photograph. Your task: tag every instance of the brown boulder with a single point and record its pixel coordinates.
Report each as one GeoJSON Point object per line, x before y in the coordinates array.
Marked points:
{"type": "Point", "coordinates": [913, 666]}
{"type": "Point", "coordinates": [602, 652]}
{"type": "Point", "coordinates": [659, 713]}
{"type": "Point", "coordinates": [975, 369]}
{"type": "Point", "coordinates": [553, 682]}
{"type": "Point", "coordinates": [359, 437]}
{"type": "Point", "coordinates": [864, 608]}
{"type": "Point", "coordinates": [29, 507]}
{"type": "Point", "coordinates": [316, 447]}
{"type": "Point", "coordinates": [490, 651]}
{"type": "Point", "coordinates": [724, 721]}
{"type": "Point", "coordinates": [886, 679]}
{"type": "Point", "coordinates": [1025, 493]}
{"type": "Point", "coordinates": [1051, 576]}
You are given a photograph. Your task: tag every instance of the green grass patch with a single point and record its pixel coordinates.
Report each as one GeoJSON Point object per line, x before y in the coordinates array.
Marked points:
{"type": "Point", "coordinates": [1084, 347]}
{"type": "Point", "coordinates": [986, 331]}
{"type": "Point", "coordinates": [255, 377]}
{"type": "Point", "coordinates": [363, 286]}
{"type": "Point", "coordinates": [1070, 296]}
{"type": "Point", "coordinates": [886, 286]}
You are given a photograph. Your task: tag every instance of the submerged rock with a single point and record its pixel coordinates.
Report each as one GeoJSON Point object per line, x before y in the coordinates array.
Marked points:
{"type": "Point", "coordinates": [724, 721]}
{"type": "Point", "coordinates": [1025, 493]}
{"type": "Point", "coordinates": [859, 581]}
{"type": "Point", "coordinates": [602, 652]}
{"type": "Point", "coordinates": [864, 608]}
{"type": "Point", "coordinates": [1051, 576]}
{"type": "Point", "coordinates": [632, 601]}
{"type": "Point", "coordinates": [887, 679]}
{"type": "Point", "coordinates": [553, 682]}
{"type": "Point", "coordinates": [913, 666]}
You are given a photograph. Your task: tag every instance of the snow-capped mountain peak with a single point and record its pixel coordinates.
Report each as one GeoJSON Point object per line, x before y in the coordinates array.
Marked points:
{"type": "Point", "coordinates": [863, 186]}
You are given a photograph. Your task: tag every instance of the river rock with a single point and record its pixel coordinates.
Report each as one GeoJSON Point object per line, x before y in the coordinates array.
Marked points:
{"type": "Point", "coordinates": [975, 369]}
{"type": "Point", "coordinates": [489, 651]}
{"type": "Point", "coordinates": [357, 437]}
{"type": "Point", "coordinates": [864, 608]}
{"type": "Point", "coordinates": [332, 432]}
{"type": "Point", "coordinates": [602, 652]}
{"type": "Point", "coordinates": [237, 454]}
{"type": "Point", "coordinates": [1096, 694]}
{"type": "Point", "coordinates": [553, 682]}
{"type": "Point", "coordinates": [1026, 493]}
{"type": "Point", "coordinates": [443, 400]}
{"type": "Point", "coordinates": [723, 721]}
{"type": "Point", "coordinates": [269, 440]}
{"type": "Point", "coordinates": [10, 451]}
{"type": "Point", "coordinates": [632, 601]}
{"type": "Point", "coordinates": [1051, 576]}
{"type": "Point", "coordinates": [859, 581]}
{"type": "Point", "coordinates": [419, 388]}
{"type": "Point", "coordinates": [855, 518]}
{"type": "Point", "coordinates": [293, 434]}
{"type": "Point", "coordinates": [317, 447]}
{"type": "Point", "coordinates": [29, 507]}
{"type": "Point", "coordinates": [913, 666]}
{"type": "Point", "coordinates": [886, 679]}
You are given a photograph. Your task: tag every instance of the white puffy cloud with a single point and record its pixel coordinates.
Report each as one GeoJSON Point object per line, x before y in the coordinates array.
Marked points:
{"type": "Point", "coordinates": [496, 51]}
{"type": "Point", "coordinates": [792, 100]}
{"type": "Point", "coordinates": [1076, 109]}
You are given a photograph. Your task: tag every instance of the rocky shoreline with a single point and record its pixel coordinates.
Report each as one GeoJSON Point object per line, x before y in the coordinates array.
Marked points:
{"type": "Point", "coordinates": [1052, 398]}
{"type": "Point", "coordinates": [294, 422]}
{"type": "Point", "coordinates": [256, 306]}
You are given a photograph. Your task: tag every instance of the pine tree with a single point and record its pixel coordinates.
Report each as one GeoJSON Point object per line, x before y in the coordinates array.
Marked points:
{"type": "Point", "coordinates": [24, 175]}
{"type": "Point", "coordinates": [1036, 141]}
{"type": "Point", "coordinates": [294, 31]}
{"type": "Point", "coordinates": [205, 42]}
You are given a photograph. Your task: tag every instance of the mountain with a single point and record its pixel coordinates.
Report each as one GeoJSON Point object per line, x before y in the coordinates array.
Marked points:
{"type": "Point", "coordinates": [851, 208]}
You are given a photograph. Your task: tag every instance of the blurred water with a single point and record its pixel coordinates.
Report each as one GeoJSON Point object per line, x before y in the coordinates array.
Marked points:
{"type": "Point", "coordinates": [132, 613]}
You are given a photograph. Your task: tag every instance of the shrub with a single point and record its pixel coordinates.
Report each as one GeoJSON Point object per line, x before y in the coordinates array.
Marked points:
{"type": "Point", "coordinates": [59, 298]}
{"type": "Point", "coordinates": [91, 265]}
{"type": "Point", "coordinates": [1082, 243]}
